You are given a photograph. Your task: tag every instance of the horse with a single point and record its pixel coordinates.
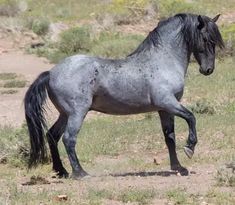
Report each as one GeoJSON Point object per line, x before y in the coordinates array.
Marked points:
{"type": "Point", "coordinates": [150, 79]}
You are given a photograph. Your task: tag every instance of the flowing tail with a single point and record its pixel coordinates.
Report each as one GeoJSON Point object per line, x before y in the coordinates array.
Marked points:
{"type": "Point", "coordinates": [34, 100]}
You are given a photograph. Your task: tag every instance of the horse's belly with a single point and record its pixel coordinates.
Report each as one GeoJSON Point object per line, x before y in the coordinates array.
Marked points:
{"type": "Point", "coordinates": [118, 107]}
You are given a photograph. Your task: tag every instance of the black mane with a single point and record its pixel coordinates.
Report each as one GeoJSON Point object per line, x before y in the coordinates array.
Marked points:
{"type": "Point", "coordinates": [189, 32]}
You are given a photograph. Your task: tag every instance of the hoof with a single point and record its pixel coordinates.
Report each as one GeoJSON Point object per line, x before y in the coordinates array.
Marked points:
{"type": "Point", "coordinates": [62, 174]}
{"type": "Point", "coordinates": [181, 170]}
{"type": "Point", "coordinates": [79, 175]}
{"type": "Point", "coordinates": [188, 152]}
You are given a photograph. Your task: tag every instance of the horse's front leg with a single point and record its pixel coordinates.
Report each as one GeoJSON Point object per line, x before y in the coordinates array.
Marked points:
{"type": "Point", "coordinates": [171, 105]}
{"type": "Point", "coordinates": [167, 122]}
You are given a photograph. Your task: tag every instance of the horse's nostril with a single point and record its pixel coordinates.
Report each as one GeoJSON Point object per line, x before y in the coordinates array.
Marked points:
{"type": "Point", "coordinates": [209, 70]}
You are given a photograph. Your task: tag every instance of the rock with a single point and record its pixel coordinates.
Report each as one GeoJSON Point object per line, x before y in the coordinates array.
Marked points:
{"type": "Point", "coordinates": [62, 197]}
{"type": "Point", "coordinates": [156, 161]}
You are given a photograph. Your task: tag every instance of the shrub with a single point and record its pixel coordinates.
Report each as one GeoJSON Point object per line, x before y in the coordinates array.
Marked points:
{"type": "Point", "coordinates": [203, 107]}
{"type": "Point", "coordinates": [115, 45]}
{"type": "Point", "coordinates": [128, 11]}
{"type": "Point", "coordinates": [75, 40]}
{"type": "Point", "coordinates": [40, 26]}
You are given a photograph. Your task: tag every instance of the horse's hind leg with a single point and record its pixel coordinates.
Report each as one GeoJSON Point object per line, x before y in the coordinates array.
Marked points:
{"type": "Point", "coordinates": [53, 135]}
{"type": "Point", "coordinates": [74, 123]}
{"type": "Point", "coordinates": [167, 121]}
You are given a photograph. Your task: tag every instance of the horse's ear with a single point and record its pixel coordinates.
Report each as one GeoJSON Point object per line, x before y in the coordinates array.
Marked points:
{"type": "Point", "coordinates": [201, 22]}
{"type": "Point", "coordinates": [216, 18]}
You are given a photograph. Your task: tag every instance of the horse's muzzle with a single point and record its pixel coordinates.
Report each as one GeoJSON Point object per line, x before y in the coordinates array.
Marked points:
{"type": "Point", "coordinates": [206, 71]}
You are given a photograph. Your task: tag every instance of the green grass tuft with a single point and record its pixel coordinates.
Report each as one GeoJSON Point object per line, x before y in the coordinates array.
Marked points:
{"type": "Point", "coordinates": [15, 84]}
{"type": "Point", "coordinates": [136, 195]}
{"type": "Point", "coordinates": [8, 76]}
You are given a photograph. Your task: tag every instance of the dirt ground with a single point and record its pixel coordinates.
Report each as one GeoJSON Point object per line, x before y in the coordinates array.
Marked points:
{"type": "Point", "coordinates": [199, 181]}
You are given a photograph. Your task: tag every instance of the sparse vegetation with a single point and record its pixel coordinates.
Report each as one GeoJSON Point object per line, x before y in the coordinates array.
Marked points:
{"type": "Point", "coordinates": [177, 196]}
{"type": "Point", "coordinates": [139, 196]}
{"type": "Point", "coordinates": [9, 8]}
{"type": "Point", "coordinates": [14, 146]}
{"type": "Point", "coordinates": [8, 92]}
{"type": "Point", "coordinates": [8, 76]}
{"type": "Point", "coordinates": [203, 107]}
{"type": "Point", "coordinates": [40, 26]}
{"type": "Point", "coordinates": [75, 40]}
{"type": "Point", "coordinates": [220, 197]}
{"type": "Point", "coordinates": [15, 84]}
{"type": "Point", "coordinates": [225, 177]}
{"type": "Point", "coordinates": [80, 41]}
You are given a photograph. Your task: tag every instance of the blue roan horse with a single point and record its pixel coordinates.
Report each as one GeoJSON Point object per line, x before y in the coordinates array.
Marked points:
{"type": "Point", "coordinates": [149, 79]}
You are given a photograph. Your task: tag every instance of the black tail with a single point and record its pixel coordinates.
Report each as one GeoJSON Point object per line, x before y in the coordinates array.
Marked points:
{"type": "Point", "coordinates": [34, 100]}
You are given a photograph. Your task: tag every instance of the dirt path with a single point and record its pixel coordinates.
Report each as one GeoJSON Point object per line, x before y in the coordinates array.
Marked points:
{"type": "Point", "coordinates": [29, 66]}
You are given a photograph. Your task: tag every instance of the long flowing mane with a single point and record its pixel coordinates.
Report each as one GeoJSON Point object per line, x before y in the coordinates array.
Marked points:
{"type": "Point", "coordinates": [189, 32]}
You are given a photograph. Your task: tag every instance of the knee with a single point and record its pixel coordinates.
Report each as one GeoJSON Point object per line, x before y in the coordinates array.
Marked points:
{"type": "Point", "coordinates": [68, 142]}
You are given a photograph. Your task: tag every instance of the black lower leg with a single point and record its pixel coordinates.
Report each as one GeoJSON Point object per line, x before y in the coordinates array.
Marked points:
{"type": "Point", "coordinates": [167, 121]}
{"type": "Point", "coordinates": [53, 136]}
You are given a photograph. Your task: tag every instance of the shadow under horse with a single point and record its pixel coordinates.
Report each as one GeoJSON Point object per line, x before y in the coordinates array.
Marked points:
{"type": "Point", "coordinates": [149, 79]}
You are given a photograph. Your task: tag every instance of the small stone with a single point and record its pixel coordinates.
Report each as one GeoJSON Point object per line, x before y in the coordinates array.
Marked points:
{"type": "Point", "coordinates": [156, 161]}
{"type": "Point", "coordinates": [62, 197]}
{"type": "Point", "coordinates": [178, 174]}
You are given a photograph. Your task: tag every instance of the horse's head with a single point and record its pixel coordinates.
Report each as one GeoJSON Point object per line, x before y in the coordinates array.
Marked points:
{"type": "Point", "coordinates": [208, 37]}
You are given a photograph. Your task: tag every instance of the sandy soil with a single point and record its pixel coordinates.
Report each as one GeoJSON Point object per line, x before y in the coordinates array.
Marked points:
{"type": "Point", "coordinates": [15, 61]}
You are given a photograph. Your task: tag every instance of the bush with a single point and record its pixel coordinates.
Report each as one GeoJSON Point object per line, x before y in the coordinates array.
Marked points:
{"type": "Point", "coordinates": [115, 45]}
{"type": "Point", "coordinates": [128, 11]}
{"type": "Point", "coordinates": [75, 40]}
{"type": "Point", "coordinates": [203, 107]}
{"type": "Point", "coordinates": [40, 26]}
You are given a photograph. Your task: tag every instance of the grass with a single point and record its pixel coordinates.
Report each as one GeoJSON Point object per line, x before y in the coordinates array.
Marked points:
{"type": "Point", "coordinates": [139, 196]}
{"type": "Point", "coordinates": [220, 198]}
{"type": "Point", "coordinates": [8, 76]}
{"type": "Point", "coordinates": [135, 195]}
{"type": "Point", "coordinates": [225, 177]}
{"type": "Point", "coordinates": [177, 196]}
{"type": "Point", "coordinates": [11, 80]}
{"type": "Point", "coordinates": [8, 92]}
{"type": "Point", "coordinates": [15, 84]}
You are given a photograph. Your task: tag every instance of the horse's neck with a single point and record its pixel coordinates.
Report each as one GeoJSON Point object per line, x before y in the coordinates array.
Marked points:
{"type": "Point", "coordinates": [175, 56]}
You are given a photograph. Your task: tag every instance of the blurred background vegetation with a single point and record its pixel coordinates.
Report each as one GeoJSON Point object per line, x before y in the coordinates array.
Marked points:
{"type": "Point", "coordinates": [107, 28]}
